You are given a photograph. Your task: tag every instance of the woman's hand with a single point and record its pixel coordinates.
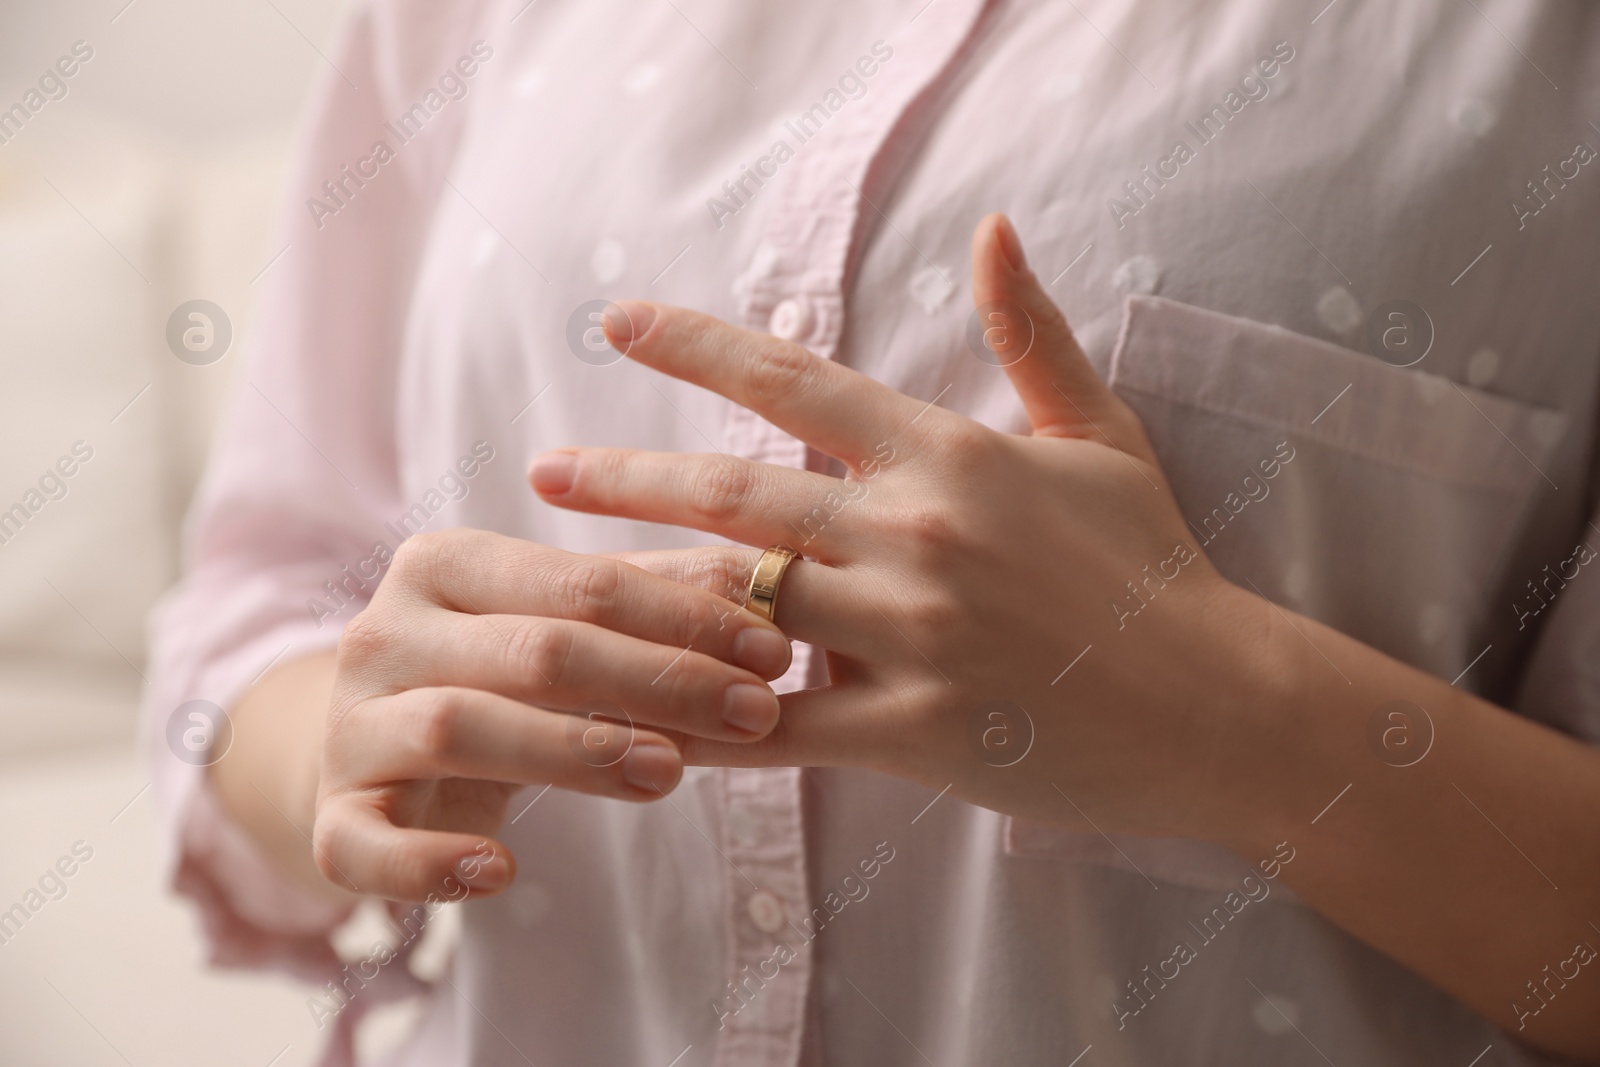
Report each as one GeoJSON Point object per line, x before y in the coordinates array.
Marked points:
{"type": "Point", "coordinates": [455, 684]}
{"type": "Point", "coordinates": [1023, 618]}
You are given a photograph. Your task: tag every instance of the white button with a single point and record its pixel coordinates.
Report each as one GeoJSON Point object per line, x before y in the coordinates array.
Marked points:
{"type": "Point", "coordinates": [1431, 387]}
{"type": "Point", "coordinates": [931, 287]}
{"type": "Point", "coordinates": [1139, 274]}
{"type": "Point", "coordinates": [766, 911]}
{"type": "Point", "coordinates": [789, 320]}
{"type": "Point", "coordinates": [1338, 310]}
{"type": "Point", "coordinates": [1276, 1015]}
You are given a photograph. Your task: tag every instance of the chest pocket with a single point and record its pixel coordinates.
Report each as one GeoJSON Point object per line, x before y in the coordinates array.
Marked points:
{"type": "Point", "coordinates": [1385, 502]}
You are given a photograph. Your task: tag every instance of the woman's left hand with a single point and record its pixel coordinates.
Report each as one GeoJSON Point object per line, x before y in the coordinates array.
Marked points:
{"type": "Point", "coordinates": [1025, 619]}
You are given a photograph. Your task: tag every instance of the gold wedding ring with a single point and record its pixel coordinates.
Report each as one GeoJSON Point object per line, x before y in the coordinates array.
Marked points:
{"type": "Point", "coordinates": [763, 595]}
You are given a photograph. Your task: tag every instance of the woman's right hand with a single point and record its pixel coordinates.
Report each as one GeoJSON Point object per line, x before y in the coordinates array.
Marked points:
{"type": "Point", "coordinates": [476, 669]}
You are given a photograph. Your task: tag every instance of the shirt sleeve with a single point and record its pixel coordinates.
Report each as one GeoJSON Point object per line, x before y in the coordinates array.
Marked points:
{"type": "Point", "coordinates": [304, 467]}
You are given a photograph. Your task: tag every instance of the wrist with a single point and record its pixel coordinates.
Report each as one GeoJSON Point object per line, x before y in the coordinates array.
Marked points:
{"type": "Point", "coordinates": [1268, 755]}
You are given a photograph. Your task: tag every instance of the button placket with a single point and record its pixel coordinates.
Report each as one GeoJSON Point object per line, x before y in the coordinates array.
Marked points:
{"type": "Point", "coordinates": [795, 290]}
{"type": "Point", "coordinates": [769, 968]}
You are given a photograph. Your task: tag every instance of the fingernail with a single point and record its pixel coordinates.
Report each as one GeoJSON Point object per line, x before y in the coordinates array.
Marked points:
{"type": "Point", "coordinates": [627, 320]}
{"type": "Point", "coordinates": [553, 472]}
{"type": "Point", "coordinates": [1010, 244]}
{"type": "Point", "coordinates": [761, 651]}
{"type": "Point", "coordinates": [489, 875]}
{"type": "Point", "coordinates": [652, 768]}
{"type": "Point", "coordinates": [750, 707]}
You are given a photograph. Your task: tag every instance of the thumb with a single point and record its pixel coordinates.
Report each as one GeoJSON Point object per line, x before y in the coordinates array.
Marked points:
{"type": "Point", "coordinates": [1022, 330]}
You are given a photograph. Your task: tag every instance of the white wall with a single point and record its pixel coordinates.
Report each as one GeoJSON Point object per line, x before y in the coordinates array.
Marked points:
{"type": "Point", "coordinates": [150, 183]}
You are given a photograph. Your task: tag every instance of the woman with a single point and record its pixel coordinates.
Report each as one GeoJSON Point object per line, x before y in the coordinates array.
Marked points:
{"type": "Point", "coordinates": [1210, 680]}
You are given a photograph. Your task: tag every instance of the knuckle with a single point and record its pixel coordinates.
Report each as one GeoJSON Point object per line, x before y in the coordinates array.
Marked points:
{"type": "Point", "coordinates": [1048, 318]}
{"type": "Point", "coordinates": [702, 623]}
{"type": "Point", "coordinates": [683, 687]}
{"type": "Point", "coordinates": [365, 639]}
{"type": "Point", "coordinates": [418, 556]}
{"type": "Point", "coordinates": [725, 489]}
{"type": "Point", "coordinates": [430, 560]}
{"type": "Point", "coordinates": [723, 571]}
{"type": "Point", "coordinates": [591, 589]}
{"type": "Point", "coordinates": [404, 874]}
{"type": "Point", "coordinates": [542, 647]}
{"type": "Point", "coordinates": [720, 570]}
{"type": "Point", "coordinates": [929, 530]}
{"type": "Point", "coordinates": [777, 373]}
{"type": "Point", "coordinates": [968, 453]}
{"type": "Point", "coordinates": [608, 467]}
{"type": "Point", "coordinates": [439, 721]}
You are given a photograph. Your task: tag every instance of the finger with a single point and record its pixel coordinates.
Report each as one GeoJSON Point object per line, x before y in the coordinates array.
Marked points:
{"type": "Point", "coordinates": [359, 849]}
{"type": "Point", "coordinates": [817, 604]}
{"type": "Point", "coordinates": [1030, 337]}
{"type": "Point", "coordinates": [454, 732]}
{"type": "Point", "coordinates": [756, 503]}
{"type": "Point", "coordinates": [838, 411]}
{"type": "Point", "coordinates": [483, 573]}
{"type": "Point", "coordinates": [832, 727]}
{"type": "Point", "coordinates": [556, 663]}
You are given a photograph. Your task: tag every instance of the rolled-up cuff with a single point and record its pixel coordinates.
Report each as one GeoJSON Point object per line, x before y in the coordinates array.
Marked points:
{"type": "Point", "coordinates": [252, 916]}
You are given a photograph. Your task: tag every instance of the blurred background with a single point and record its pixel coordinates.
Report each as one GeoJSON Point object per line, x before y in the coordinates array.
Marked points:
{"type": "Point", "coordinates": [151, 182]}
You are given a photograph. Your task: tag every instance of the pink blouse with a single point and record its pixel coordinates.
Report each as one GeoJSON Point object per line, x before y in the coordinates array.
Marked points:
{"type": "Point", "coordinates": [1351, 245]}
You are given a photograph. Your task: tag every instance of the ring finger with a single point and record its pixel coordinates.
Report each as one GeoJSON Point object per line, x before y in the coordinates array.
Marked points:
{"type": "Point", "coordinates": [824, 606]}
